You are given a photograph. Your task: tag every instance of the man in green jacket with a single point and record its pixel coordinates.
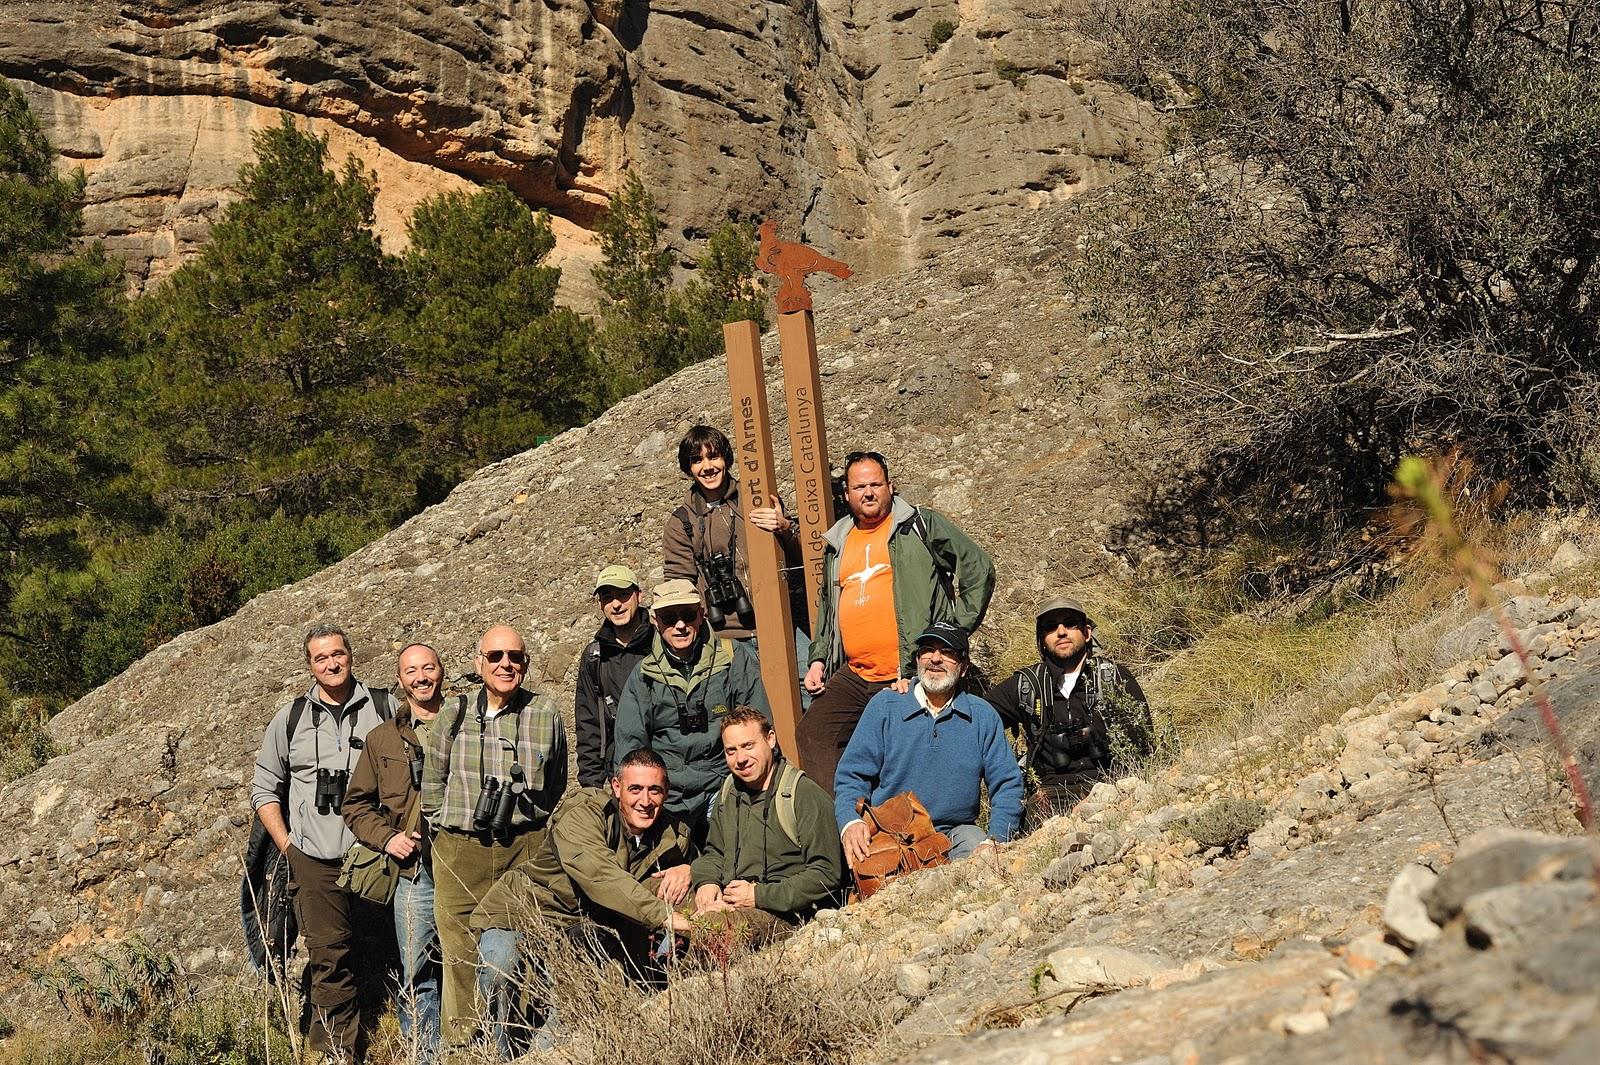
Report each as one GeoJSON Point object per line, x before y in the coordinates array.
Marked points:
{"type": "Point", "coordinates": [611, 870]}
{"type": "Point", "coordinates": [678, 695]}
{"type": "Point", "coordinates": [772, 855]}
{"type": "Point", "coordinates": [890, 570]}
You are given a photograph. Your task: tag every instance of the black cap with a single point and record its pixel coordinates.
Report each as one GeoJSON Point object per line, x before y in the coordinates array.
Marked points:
{"type": "Point", "coordinates": [948, 633]}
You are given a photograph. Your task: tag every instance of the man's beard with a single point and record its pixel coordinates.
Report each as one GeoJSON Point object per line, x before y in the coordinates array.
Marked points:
{"type": "Point", "coordinates": [939, 684]}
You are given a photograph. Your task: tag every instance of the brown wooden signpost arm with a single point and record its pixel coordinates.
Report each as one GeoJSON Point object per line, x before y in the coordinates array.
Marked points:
{"type": "Point", "coordinates": [752, 453]}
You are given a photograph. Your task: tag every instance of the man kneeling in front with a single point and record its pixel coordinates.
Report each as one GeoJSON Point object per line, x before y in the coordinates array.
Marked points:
{"type": "Point", "coordinates": [772, 855]}
{"type": "Point", "coordinates": [937, 743]}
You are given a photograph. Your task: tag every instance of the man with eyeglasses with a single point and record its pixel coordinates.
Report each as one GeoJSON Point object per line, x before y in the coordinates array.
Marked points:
{"type": "Point", "coordinates": [622, 640]}
{"type": "Point", "coordinates": [1077, 710]}
{"type": "Point", "coordinates": [890, 569]}
{"type": "Point", "coordinates": [939, 742]}
{"type": "Point", "coordinates": [491, 777]}
{"type": "Point", "coordinates": [675, 701]}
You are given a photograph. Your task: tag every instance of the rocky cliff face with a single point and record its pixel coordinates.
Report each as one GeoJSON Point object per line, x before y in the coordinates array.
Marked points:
{"type": "Point", "coordinates": [834, 116]}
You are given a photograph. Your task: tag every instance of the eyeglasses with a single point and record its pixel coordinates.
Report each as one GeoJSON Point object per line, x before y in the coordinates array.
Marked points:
{"type": "Point", "coordinates": [517, 658]}
{"type": "Point", "coordinates": [671, 616]}
{"type": "Point", "coordinates": [938, 649]}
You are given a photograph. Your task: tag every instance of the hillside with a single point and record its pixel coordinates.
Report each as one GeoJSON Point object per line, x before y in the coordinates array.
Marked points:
{"type": "Point", "coordinates": [1312, 930]}
{"type": "Point", "coordinates": [838, 117]}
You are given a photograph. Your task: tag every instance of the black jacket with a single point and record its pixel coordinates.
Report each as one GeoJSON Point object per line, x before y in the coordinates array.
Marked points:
{"type": "Point", "coordinates": [1069, 740]}
{"type": "Point", "coordinates": [602, 672]}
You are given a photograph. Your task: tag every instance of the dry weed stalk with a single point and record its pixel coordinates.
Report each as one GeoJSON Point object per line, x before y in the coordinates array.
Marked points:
{"type": "Point", "coordinates": [1425, 483]}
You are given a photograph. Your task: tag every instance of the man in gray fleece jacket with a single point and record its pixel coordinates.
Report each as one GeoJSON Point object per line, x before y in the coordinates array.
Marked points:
{"type": "Point", "coordinates": [311, 767]}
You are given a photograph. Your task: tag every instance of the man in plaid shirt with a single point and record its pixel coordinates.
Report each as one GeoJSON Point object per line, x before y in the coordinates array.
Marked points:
{"type": "Point", "coordinates": [493, 774]}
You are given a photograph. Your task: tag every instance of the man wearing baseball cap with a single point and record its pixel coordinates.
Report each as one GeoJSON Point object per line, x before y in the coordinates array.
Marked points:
{"type": "Point", "coordinates": [621, 642]}
{"type": "Point", "coordinates": [675, 700]}
{"type": "Point", "coordinates": [934, 741]}
{"type": "Point", "coordinates": [1078, 711]}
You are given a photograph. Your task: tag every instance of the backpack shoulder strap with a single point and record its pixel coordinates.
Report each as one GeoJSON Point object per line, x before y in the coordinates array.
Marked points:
{"type": "Point", "coordinates": [297, 710]}
{"type": "Point", "coordinates": [382, 703]}
{"type": "Point", "coordinates": [725, 793]}
{"type": "Point", "coordinates": [789, 776]}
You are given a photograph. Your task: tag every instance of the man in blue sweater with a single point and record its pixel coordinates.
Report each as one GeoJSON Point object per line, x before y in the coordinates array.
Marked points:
{"type": "Point", "coordinates": [936, 743]}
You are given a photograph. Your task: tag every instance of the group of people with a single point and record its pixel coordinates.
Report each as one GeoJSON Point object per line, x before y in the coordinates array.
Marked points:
{"type": "Point", "coordinates": [687, 815]}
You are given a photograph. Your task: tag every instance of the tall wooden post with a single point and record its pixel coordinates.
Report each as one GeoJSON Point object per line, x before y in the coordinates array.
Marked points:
{"type": "Point", "coordinates": [758, 487]}
{"type": "Point", "coordinates": [808, 446]}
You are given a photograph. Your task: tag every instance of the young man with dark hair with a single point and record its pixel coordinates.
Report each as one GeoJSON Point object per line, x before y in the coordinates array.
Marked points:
{"type": "Point", "coordinates": [309, 749]}
{"type": "Point", "coordinates": [620, 643]}
{"type": "Point", "coordinates": [890, 569]}
{"type": "Point", "coordinates": [772, 856]}
{"type": "Point", "coordinates": [704, 538]}
{"type": "Point", "coordinates": [492, 774]}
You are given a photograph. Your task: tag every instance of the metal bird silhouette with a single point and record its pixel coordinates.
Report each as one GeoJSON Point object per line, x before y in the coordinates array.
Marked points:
{"type": "Point", "coordinates": [790, 263]}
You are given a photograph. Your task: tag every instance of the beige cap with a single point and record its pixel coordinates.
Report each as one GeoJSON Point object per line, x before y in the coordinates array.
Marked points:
{"type": "Point", "coordinates": [1062, 605]}
{"type": "Point", "coordinates": [676, 592]}
{"type": "Point", "coordinates": [616, 577]}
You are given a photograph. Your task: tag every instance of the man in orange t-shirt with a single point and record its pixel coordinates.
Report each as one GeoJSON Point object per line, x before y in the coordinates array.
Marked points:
{"type": "Point", "coordinates": [890, 570]}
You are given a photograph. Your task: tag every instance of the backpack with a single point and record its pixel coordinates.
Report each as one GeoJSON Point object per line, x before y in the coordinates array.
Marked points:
{"type": "Point", "coordinates": [788, 782]}
{"type": "Point", "coordinates": [903, 840]}
{"type": "Point", "coordinates": [266, 911]}
{"type": "Point", "coordinates": [945, 577]}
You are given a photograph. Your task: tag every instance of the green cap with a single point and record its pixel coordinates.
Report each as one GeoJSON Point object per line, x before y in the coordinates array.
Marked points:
{"type": "Point", "coordinates": [616, 577]}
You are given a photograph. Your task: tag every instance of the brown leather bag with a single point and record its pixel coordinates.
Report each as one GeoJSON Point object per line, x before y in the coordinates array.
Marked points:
{"type": "Point", "coordinates": [903, 840]}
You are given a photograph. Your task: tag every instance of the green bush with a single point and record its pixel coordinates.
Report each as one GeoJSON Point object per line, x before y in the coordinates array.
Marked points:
{"type": "Point", "coordinates": [1009, 71]}
{"type": "Point", "coordinates": [25, 745]}
{"type": "Point", "coordinates": [942, 30]}
{"type": "Point", "coordinates": [1226, 822]}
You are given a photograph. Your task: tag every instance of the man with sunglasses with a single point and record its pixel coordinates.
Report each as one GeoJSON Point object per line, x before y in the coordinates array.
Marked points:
{"type": "Point", "coordinates": [675, 701]}
{"type": "Point", "coordinates": [890, 570]}
{"type": "Point", "coordinates": [491, 777]}
{"type": "Point", "coordinates": [622, 640]}
{"type": "Point", "coordinates": [1077, 710]}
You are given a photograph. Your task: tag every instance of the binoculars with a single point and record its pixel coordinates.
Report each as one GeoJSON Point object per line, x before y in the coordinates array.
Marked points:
{"type": "Point", "coordinates": [497, 802]}
{"type": "Point", "coordinates": [330, 790]}
{"type": "Point", "coordinates": [724, 594]}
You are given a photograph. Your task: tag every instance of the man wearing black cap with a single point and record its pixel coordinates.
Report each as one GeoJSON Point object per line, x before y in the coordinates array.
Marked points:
{"type": "Point", "coordinates": [936, 742]}
{"type": "Point", "coordinates": [1078, 710]}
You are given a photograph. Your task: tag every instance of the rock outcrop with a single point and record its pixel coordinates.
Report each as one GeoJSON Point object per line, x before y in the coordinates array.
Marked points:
{"type": "Point", "coordinates": [835, 116]}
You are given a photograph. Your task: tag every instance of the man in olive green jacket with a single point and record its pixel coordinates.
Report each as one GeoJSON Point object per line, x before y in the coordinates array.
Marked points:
{"type": "Point", "coordinates": [678, 695]}
{"type": "Point", "coordinates": [611, 870]}
{"type": "Point", "coordinates": [772, 855]}
{"type": "Point", "coordinates": [873, 604]}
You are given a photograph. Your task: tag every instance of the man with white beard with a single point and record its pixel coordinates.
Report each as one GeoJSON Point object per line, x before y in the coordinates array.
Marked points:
{"type": "Point", "coordinates": [937, 743]}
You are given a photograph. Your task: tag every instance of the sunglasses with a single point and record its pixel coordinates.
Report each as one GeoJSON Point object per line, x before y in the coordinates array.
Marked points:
{"type": "Point", "coordinates": [518, 658]}
{"type": "Point", "coordinates": [671, 616]}
{"type": "Point", "coordinates": [1071, 621]}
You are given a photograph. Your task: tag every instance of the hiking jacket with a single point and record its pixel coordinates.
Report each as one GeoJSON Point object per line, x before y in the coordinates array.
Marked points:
{"type": "Point", "coordinates": [586, 867]}
{"type": "Point", "coordinates": [725, 674]}
{"type": "Point", "coordinates": [381, 787]}
{"type": "Point", "coordinates": [321, 740]}
{"type": "Point", "coordinates": [919, 594]}
{"type": "Point", "coordinates": [900, 747]}
{"type": "Point", "coordinates": [603, 671]}
{"type": "Point", "coordinates": [699, 529]}
{"type": "Point", "coordinates": [746, 842]}
{"type": "Point", "coordinates": [1069, 740]}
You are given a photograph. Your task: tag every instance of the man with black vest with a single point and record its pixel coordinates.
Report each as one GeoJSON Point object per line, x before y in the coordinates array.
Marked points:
{"type": "Point", "coordinates": [491, 776]}
{"type": "Point", "coordinates": [298, 789]}
{"type": "Point", "coordinates": [1078, 710]}
{"type": "Point", "coordinates": [622, 640]}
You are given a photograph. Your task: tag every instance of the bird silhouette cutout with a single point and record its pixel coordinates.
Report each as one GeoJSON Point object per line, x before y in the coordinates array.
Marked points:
{"type": "Point", "coordinates": [790, 263]}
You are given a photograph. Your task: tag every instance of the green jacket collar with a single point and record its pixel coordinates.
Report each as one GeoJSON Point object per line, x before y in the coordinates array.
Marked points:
{"type": "Point", "coordinates": [716, 654]}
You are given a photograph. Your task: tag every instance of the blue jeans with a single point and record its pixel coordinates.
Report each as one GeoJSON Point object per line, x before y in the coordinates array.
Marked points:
{"type": "Point", "coordinates": [419, 963]}
{"type": "Point", "coordinates": [964, 839]}
{"type": "Point", "coordinates": [499, 971]}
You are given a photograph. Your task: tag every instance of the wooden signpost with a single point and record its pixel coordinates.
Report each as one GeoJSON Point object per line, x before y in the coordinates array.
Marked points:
{"type": "Point", "coordinates": [808, 443]}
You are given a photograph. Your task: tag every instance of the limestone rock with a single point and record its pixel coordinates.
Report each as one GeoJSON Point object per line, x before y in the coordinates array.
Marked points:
{"type": "Point", "coordinates": [1404, 912]}
{"type": "Point", "coordinates": [1091, 968]}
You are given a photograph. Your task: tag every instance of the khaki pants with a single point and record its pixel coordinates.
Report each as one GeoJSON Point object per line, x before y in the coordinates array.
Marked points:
{"type": "Point", "coordinates": [465, 867]}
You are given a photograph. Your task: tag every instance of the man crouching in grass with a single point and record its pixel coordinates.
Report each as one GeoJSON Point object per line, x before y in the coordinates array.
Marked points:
{"type": "Point", "coordinates": [772, 855]}
{"type": "Point", "coordinates": [610, 872]}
